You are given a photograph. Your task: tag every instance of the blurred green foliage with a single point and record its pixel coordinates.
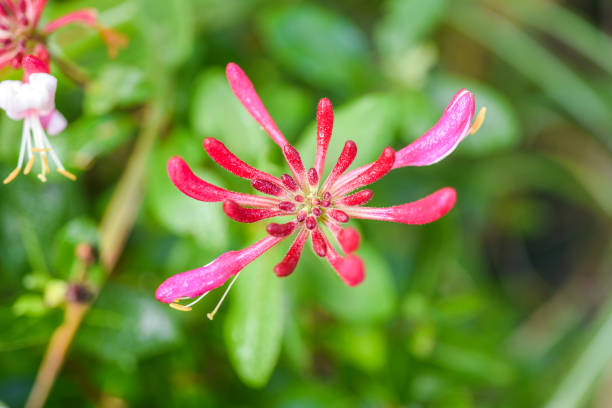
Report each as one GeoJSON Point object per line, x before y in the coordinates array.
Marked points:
{"type": "Point", "coordinates": [502, 303]}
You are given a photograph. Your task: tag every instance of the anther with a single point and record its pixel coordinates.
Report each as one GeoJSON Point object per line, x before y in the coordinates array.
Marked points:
{"type": "Point", "coordinates": [29, 165]}
{"type": "Point", "coordinates": [479, 120]}
{"type": "Point", "coordinates": [301, 216]}
{"type": "Point", "coordinates": [313, 177]}
{"type": "Point", "coordinates": [45, 163]}
{"type": "Point", "coordinates": [299, 198]}
{"type": "Point", "coordinates": [316, 212]}
{"type": "Point", "coordinates": [339, 215]}
{"type": "Point", "coordinates": [325, 203]}
{"type": "Point", "coordinates": [327, 196]}
{"type": "Point", "coordinates": [310, 222]}
{"type": "Point", "coordinates": [289, 182]}
{"type": "Point", "coordinates": [266, 187]}
{"type": "Point", "coordinates": [287, 206]}
{"type": "Point", "coordinates": [12, 176]}
{"type": "Point", "coordinates": [67, 174]}
{"type": "Point", "coordinates": [180, 307]}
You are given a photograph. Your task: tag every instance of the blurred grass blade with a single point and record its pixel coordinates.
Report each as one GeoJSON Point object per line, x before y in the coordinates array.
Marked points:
{"type": "Point", "coordinates": [589, 365]}
{"type": "Point", "coordinates": [567, 26]}
{"type": "Point", "coordinates": [538, 64]}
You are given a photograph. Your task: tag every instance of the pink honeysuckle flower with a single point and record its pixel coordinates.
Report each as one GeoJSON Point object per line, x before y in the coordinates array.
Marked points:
{"type": "Point", "coordinates": [19, 34]}
{"type": "Point", "coordinates": [33, 101]}
{"type": "Point", "coordinates": [314, 206]}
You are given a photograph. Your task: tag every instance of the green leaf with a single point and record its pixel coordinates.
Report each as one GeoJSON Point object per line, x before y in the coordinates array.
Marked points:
{"type": "Point", "coordinates": [125, 325]}
{"type": "Point", "coordinates": [406, 22]}
{"type": "Point", "coordinates": [117, 85]}
{"type": "Point", "coordinates": [254, 324]}
{"type": "Point", "coordinates": [336, 57]}
{"type": "Point", "coordinates": [500, 130]}
{"type": "Point", "coordinates": [169, 28]}
{"type": "Point", "coordinates": [369, 121]}
{"type": "Point", "coordinates": [26, 331]}
{"type": "Point", "coordinates": [88, 138]}
{"type": "Point", "coordinates": [215, 112]}
{"type": "Point", "coordinates": [371, 301]}
{"type": "Point", "coordinates": [518, 49]}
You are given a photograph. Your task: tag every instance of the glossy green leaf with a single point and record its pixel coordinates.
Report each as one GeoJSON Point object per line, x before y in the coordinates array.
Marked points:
{"type": "Point", "coordinates": [215, 112]}
{"type": "Point", "coordinates": [254, 323]}
{"type": "Point", "coordinates": [371, 301]}
{"type": "Point", "coordinates": [337, 57]}
{"type": "Point", "coordinates": [126, 325]}
{"type": "Point", "coordinates": [117, 86]}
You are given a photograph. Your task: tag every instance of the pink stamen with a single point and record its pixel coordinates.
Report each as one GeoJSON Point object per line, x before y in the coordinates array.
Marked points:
{"type": "Point", "coordinates": [266, 187]}
{"type": "Point", "coordinates": [247, 215]}
{"type": "Point", "coordinates": [325, 123]}
{"type": "Point", "coordinates": [289, 182]}
{"type": "Point", "coordinates": [310, 222]}
{"type": "Point", "coordinates": [313, 177]}
{"type": "Point", "coordinates": [338, 215]}
{"type": "Point", "coordinates": [318, 242]}
{"type": "Point", "coordinates": [295, 164]}
{"type": "Point", "coordinates": [358, 198]}
{"type": "Point", "coordinates": [281, 230]}
{"type": "Point", "coordinates": [245, 92]}
{"type": "Point", "coordinates": [287, 206]}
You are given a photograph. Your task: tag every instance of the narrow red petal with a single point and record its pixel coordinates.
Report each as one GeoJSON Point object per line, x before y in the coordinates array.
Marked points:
{"type": "Point", "coordinates": [344, 161]}
{"type": "Point", "coordinates": [289, 182]}
{"type": "Point", "coordinates": [348, 238]}
{"type": "Point", "coordinates": [289, 262]}
{"type": "Point", "coordinates": [245, 92]}
{"type": "Point", "coordinates": [358, 198]}
{"type": "Point", "coordinates": [325, 124]}
{"type": "Point", "coordinates": [226, 159]}
{"type": "Point", "coordinates": [373, 173]}
{"type": "Point", "coordinates": [193, 186]}
{"type": "Point", "coordinates": [313, 177]}
{"type": "Point", "coordinates": [86, 16]}
{"type": "Point", "coordinates": [247, 215]}
{"type": "Point", "coordinates": [423, 211]}
{"type": "Point", "coordinates": [440, 141]}
{"type": "Point", "coordinates": [294, 160]}
{"type": "Point", "coordinates": [281, 230]}
{"type": "Point", "coordinates": [319, 244]}
{"type": "Point", "coordinates": [266, 187]}
{"type": "Point", "coordinates": [198, 281]}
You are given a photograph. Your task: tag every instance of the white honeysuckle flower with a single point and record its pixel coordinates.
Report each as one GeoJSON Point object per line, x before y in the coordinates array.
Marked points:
{"type": "Point", "coordinates": [33, 101]}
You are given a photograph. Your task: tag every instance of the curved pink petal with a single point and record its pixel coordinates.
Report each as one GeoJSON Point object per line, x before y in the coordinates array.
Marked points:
{"type": "Point", "coordinates": [88, 17]}
{"type": "Point", "coordinates": [350, 268]}
{"type": "Point", "coordinates": [193, 186]}
{"type": "Point", "coordinates": [325, 124]}
{"type": "Point", "coordinates": [423, 211]}
{"type": "Point", "coordinates": [348, 238]}
{"type": "Point", "coordinates": [198, 281]}
{"type": "Point", "coordinates": [245, 92]}
{"type": "Point", "coordinates": [439, 141]}
{"type": "Point", "coordinates": [53, 122]}
{"type": "Point", "coordinates": [346, 158]}
{"type": "Point", "coordinates": [289, 262]}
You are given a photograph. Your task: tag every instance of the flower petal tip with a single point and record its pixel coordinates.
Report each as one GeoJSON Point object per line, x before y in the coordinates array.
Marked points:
{"type": "Point", "coordinates": [352, 270]}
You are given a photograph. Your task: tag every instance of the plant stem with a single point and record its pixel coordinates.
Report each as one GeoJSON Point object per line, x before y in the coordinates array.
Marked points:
{"type": "Point", "coordinates": [115, 227]}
